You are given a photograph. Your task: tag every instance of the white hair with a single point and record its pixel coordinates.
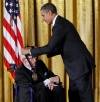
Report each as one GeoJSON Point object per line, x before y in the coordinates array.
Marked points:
{"type": "Point", "coordinates": [22, 56]}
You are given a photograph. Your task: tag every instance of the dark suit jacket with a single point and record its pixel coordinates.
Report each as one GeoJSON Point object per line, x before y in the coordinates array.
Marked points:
{"type": "Point", "coordinates": [24, 79]}
{"type": "Point", "coordinates": [66, 41]}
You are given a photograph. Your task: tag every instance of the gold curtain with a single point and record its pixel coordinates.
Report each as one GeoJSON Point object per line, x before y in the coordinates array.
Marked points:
{"type": "Point", "coordinates": [84, 14]}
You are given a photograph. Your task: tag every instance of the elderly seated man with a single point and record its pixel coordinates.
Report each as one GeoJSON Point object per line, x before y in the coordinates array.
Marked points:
{"type": "Point", "coordinates": [37, 84]}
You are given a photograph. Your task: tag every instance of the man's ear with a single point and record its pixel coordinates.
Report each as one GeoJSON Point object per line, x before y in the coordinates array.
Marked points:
{"type": "Point", "coordinates": [50, 13]}
{"type": "Point", "coordinates": [23, 60]}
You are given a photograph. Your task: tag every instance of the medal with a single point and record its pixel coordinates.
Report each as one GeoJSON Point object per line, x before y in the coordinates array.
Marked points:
{"type": "Point", "coordinates": [34, 76]}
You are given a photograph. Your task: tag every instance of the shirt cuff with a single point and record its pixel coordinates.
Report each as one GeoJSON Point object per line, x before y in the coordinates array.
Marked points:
{"type": "Point", "coordinates": [29, 52]}
{"type": "Point", "coordinates": [46, 82]}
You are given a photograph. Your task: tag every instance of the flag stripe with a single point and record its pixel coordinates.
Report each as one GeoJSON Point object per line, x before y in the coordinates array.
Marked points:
{"type": "Point", "coordinates": [19, 37]}
{"type": "Point", "coordinates": [8, 56]}
{"type": "Point", "coordinates": [9, 29]}
{"type": "Point", "coordinates": [7, 21]}
{"type": "Point", "coordinates": [19, 24]}
{"type": "Point", "coordinates": [9, 49]}
{"type": "Point", "coordinates": [10, 39]}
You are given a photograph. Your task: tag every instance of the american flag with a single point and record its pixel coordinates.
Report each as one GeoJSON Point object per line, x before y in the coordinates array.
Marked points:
{"type": "Point", "coordinates": [12, 35]}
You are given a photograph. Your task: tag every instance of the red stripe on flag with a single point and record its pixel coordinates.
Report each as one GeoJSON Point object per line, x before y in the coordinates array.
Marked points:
{"type": "Point", "coordinates": [19, 37]}
{"type": "Point", "coordinates": [9, 29]}
{"type": "Point", "coordinates": [18, 61]}
{"type": "Point", "coordinates": [10, 50]}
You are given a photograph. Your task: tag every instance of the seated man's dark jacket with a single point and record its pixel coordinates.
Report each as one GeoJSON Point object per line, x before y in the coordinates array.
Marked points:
{"type": "Point", "coordinates": [24, 78]}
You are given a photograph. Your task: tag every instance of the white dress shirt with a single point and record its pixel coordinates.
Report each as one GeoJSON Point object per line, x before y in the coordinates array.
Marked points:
{"type": "Point", "coordinates": [53, 23]}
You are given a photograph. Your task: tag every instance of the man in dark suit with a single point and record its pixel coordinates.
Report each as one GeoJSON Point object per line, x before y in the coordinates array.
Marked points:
{"type": "Point", "coordinates": [66, 41]}
{"type": "Point", "coordinates": [44, 87]}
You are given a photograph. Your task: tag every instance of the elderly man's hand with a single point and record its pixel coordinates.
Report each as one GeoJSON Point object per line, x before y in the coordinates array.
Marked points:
{"type": "Point", "coordinates": [55, 79]}
{"type": "Point", "coordinates": [24, 51]}
{"type": "Point", "coordinates": [51, 85]}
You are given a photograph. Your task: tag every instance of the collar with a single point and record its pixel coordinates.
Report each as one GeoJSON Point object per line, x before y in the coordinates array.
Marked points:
{"type": "Point", "coordinates": [53, 23]}
{"type": "Point", "coordinates": [29, 68]}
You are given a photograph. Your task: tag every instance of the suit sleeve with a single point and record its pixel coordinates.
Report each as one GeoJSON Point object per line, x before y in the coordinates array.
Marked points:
{"type": "Point", "coordinates": [56, 38]}
{"type": "Point", "coordinates": [53, 53]}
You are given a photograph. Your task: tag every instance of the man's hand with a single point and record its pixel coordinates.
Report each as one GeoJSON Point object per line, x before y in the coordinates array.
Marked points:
{"type": "Point", "coordinates": [24, 51]}
{"type": "Point", "coordinates": [51, 85]}
{"type": "Point", "coordinates": [55, 79]}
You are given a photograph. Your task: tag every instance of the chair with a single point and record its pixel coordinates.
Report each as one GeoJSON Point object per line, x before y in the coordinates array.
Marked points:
{"type": "Point", "coordinates": [26, 86]}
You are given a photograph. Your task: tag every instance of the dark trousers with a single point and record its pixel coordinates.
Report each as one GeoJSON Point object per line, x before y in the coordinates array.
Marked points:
{"type": "Point", "coordinates": [80, 90]}
{"type": "Point", "coordinates": [46, 95]}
